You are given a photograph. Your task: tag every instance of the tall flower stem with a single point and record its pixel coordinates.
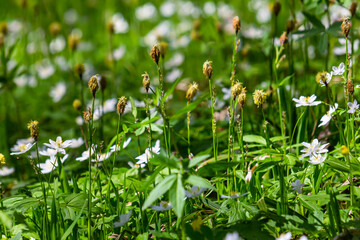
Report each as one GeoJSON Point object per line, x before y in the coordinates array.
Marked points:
{"type": "Point", "coordinates": [188, 128]}
{"type": "Point", "coordinates": [149, 116]}
{"type": "Point", "coordinates": [90, 147]}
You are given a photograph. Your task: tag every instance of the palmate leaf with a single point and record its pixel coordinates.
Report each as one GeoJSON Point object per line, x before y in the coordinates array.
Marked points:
{"type": "Point", "coordinates": [159, 190]}
{"type": "Point", "coordinates": [177, 196]}
{"type": "Point", "coordinates": [314, 21]}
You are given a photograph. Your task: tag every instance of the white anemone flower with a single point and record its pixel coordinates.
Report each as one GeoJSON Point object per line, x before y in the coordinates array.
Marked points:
{"type": "Point", "coordinates": [317, 158]}
{"type": "Point", "coordinates": [232, 236]}
{"type": "Point", "coordinates": [48, 152]}
{"type": "Point", "coordinates": [75, 143]}
{"type": "Point", "coordinates": [120, 24]}
{"type": "Point", "coordinates": [114, 148]}
{"type": "Point", "coordinates": [297, 186]}
{"type": "Point", "coordinates": [143, 158]}
{"type": "Point", "coordinates": [58, 145]}
{"type": "Point", "coordinates": [195, 191]}
{"type": "Point", "coordinates": [303, 237]}
{"type": "Point", "coordinates": [284, 236]}
{"type": "Point", "coordinates": [163, 206]}
{"type": "Point", "coordinates": [58, 92]}
{"type": "Point", "coordinates": [124, 218]}
{"type": "Point", "coordinates": [313, 148]}
{"type": "Point", "coordinates": [51, 164]}
{"type": "Point", "coordinates": [85, 154]}
{"type": "Point", "coordinates": [353, 106]}
{"type": "Point", "coordinates": [5, 171]}
{"type": "Point", "coordinates": [21, 148]}
{"type": "Point", "coordinates": [45, 69]}
{"type": "Point", "coordinates": [338, 70]}
{"type": "Point", "coordinates": [327, 117]}
{"type": "Point", "coordinates": [306, 101]}
{"type": "Point", "coordinates": [101, 157]}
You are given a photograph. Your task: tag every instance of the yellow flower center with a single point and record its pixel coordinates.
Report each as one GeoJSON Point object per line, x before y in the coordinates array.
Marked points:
{"type": "Point", "coordinates": [59, 143]}
{"type": "Point", "coordinates": [22, 147]}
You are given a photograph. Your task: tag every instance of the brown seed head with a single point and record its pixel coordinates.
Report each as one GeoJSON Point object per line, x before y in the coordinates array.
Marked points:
{"type": "Point", "coordinates": [192, 90]}
{"type": "Point", "coordinates": [2, 40]}
{"type": "Point", "coordinates": [54, 28]}
{"type": "Point", "coordinates": [103, 83]}
{"type": "Point", "coordinates": [121, 105]}
{"type": "Point", "coordinates": [79, 69]}
{"type": "Point", "coordinates": [242, 98]}
{"type": "Point", "coordinates": [146, 81]}
{"type": "Point", "coordinates": [236, 24]}
{"type": "Point", "coordinates": [163, 47]}
{"type": "Point", "coordinates": [275, 8]}
{"type": "Point", "coordinates": [2, 159]}
{"type": "Point", "coordinates": [73, 41]}
{"type": "Point", "coordinates": [93, 85]}
{"type": "Point", "coordinates": [290, 26]}
{"type": "Point", "coordinates": [207, 69]}
{"type": "Point", "coordinates": [236, 90]}
{"type": "Point", "coordinates": [110, 27]}
{"type": "Point", "coordinates": [352, 8]}
{"type": "Point", "coordinates": [283, 39]}
{"type": "Point", "coordinates": [33, 126]}
{"type": "Point", "coordinates": [87, 116]}
{"type": "Point", "coordinates": [259, 97]}
{"type": "Point", "coordinates": [3, 28]}
{"type": "Point", "coordinates": [77, 104]}
{"type": "Point", "coordinates": [346, 26]}
{"type": "Point", "coordinates": [350, 87]}
{"type": "Point", "coordinates": [155, 54]}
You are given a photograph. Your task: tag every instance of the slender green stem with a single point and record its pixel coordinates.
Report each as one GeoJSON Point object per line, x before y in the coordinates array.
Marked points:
{"type": "Point", "coordinates": [89, 166]}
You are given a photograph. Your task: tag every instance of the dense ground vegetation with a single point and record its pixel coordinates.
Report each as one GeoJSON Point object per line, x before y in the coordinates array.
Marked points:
{"type": "Point", "coordinates": [179, 119]}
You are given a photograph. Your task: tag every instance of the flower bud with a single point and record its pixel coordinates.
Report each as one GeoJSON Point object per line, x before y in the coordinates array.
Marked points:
{"type": "Point", "coordinates": [236, 90]}
{"type": "Point", "coordinates": [93, 85]}
{"type": "Point", "coordinates": [346, 26]}
{"type": "Point", "coordinates": [155, 54]}
{"type": "Point", "coordinates": [236, 24]}
{"type": "Point", "coordinates": [33, 126]}
{"type": "Point", "coordinates": [87, 116]}
{"type": "Point", "coordinates": [146, 81]}
{"type": "Point", "coordinates": [121, 105]}
{"type": "Point", "coordinates": [2, 159]}
{"type": "Point", "coordinates": [207, 69]}
{"type": "Point", "coordinates": [283, 39]}
{"type": "Point", "coordinates": [54, 28]}
{"type": "Point", "coordinates": [275, 8]}
{"type": "Point", "coordinates": [3, 28]}
{"type": "Point", "coordinates": [259, 97]}
{"type": "Point", "coordinates": [79, 69]}
{"type": "Point", "coordinates": [344, 150]}
{"type": "Point", "coordinates": [352, 8]}
{"type": "Point", "coordinates": [191, 92]}
{"type": "Point", "coordinates": [103, 83]}
{"type": "Point", "coordinates": [163, 47]}
{"type": "Point", "coordinates": [290, 26]}
{"type": "Point", "coordinates": [110, 27]}
{"type": "Point", "coordinates": [73, 41]}
{"type": "Point", "coordinates": [77, 104]}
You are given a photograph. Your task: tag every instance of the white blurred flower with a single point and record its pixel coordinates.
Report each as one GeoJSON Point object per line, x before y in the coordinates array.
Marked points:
{"type": "Point", "coordinates": [126, 143]}
{"type": "Point", "coordinates": [57, 45]}
{"type": "Point", "coordinates": [209, 8]}
{"type": "Point", "coordinates": [353, 106]}
{"type": "Point", "coordinates": [120, 24]}
{"type": "Point", "coordinates": [21, 148]}
{"type": "Point", "coordinates": [143, 158]}
{"type": "Point", "coordinates": [124, 218]}
{"type": "Point", "coordinates": [297, 186]}
{"type": "Point", "coordinates": [338, 70]}
{"type": "Point", "coordinates": [75, 143]}
{"type": "Point", "coordinates": [85, 154]}
{"type": "Point", "coordinates": [51, 164]}
{"type": "Point", "coordinates": [284, 236]}
{"type": "Point", "coordinates": [25, 80]}
{"type": "Point", "coordinates": [195, 191]}
{"type": "Point", "coordinates": [173, 75]}
{"type": "Point", "coordinates": [45, 69]}
{"type": "Point", "coordinates": [101, 157]}
{"type": "Point", "coordinates": [57, 92]}
{"type": "Point", "coordinates": [327, 117]}
{"type": "Point", "coordinates": [306, 101]}
{"type": "Point", "coordinates": [145, 12]}
{"type": "Point", "coordinates": [317, 158]}
{"type": "Point", "coordinates": [163, 206]}
{"type": "Point", "coordinates": [48, 152]}
{"type": "Point", "coordinates": [303, 237]}
{"type": "Point", "coordinates": [58, 145]}
{"type": "Point", "coordinates": [79, 120]}
{"type": "Point", "coordinates": [5, 171]}
{"type": "Point", "coordinates": [167, 9]}
{"type": "Point", "coordinates": [313, 148]}
{"type": "Point", "coordinates": [176, 60]}
{"type": "Point", "coordinates": [227, 93]}
{"type": "Point", "coordinates": [119, 52]}
{"type": "Point", "coordinates": [232, 236]}
{"type": "Point", "coordinates": [71, 16]}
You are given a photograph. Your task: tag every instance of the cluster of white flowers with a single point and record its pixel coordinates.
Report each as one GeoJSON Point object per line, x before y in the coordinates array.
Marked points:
{"type": "Point", "coordinates": [315, 151]}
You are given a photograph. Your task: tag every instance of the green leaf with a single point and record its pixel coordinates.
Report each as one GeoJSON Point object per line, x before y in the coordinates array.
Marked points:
{"type": "Point", "coordinates": [133, 108]}
{"type": "Point", "coordinates": [338, 165]}
{"type": "Point", "coordinates": [69, 230]}
{"type": "Point", "coordinates": [171, 90]}
{"type": "Point", "coordinates": [335, 29]}
{"type": "Point", "coordinates": [285, 80]}
{"type": "Point", "coordinates": [255, 139]}
{"type": "Point", "coordinates": [197, 160]}
{"type": "Point", "coordinates": [308, 33]}
{"type": "Point", "coordinates": [159, 159]}
{"type": "Point", "coordinates": [177, 195]}
{"type": "Point", "coordinates": [75, 200]}
{"type": "Point", "coordinates": [188, 108]}
{"type": "Point", "coordinates": [314, 21]}
{"type": "Point", "coordinates": [199, 181]}
{"type": "Point", "coordinates": [323, 42]}
{"type": "Point", "coordinates": [159, 190]}
{"type": "Point", "coordinates": [16, 237]}
{"type": "Point", "coordinates": [140, 131]}
{"type": "Point", "coordinates": [309, 205]}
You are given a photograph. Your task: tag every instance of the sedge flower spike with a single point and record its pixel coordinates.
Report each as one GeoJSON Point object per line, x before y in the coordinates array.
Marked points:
{"type": "Point", "coordinates": [207, 69]}
{"type": "Point", "coordinates": [259, 97]}
{"type": "Point", "coordinates": [94, 84]}
{"type": "Point", "coordinates": [120, 107]}
{"type": "Point", "coordinates": [33, 126]}
{"type": "Point", "coordinates": [324, 78]}
{"type": "Point", "coordinates": [306, 101]}
{"type": "Point", "coordinates": [191, 92]}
